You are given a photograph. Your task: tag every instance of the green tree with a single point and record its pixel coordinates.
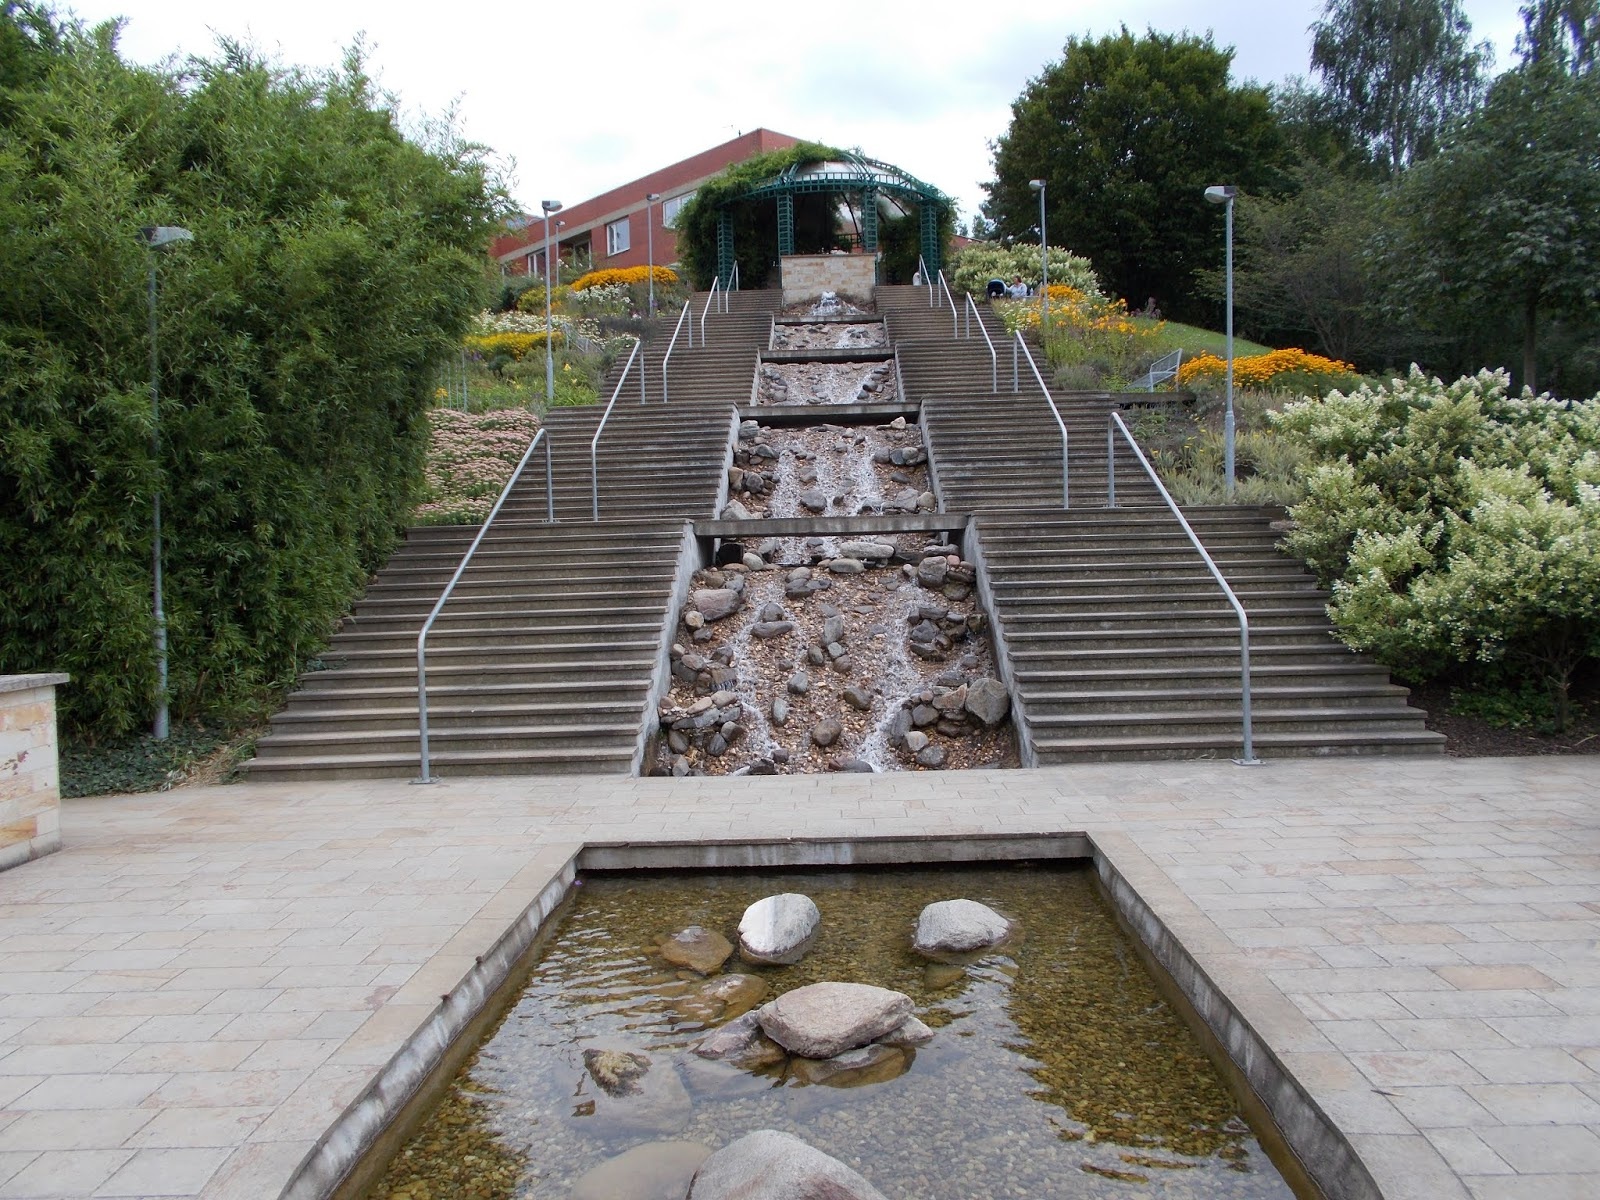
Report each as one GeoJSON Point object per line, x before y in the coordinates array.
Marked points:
{"type": "Point", "coordinates": [1127, 133]}
{"type": "Point", "coordinates": [1303, 269]}
{"type": "Point", "coordinates": [1505, 221]}
{"type": "Point", "coordinates": [1399, 71]}
{"type": "Point", "coordinates": [335, 264]}
{"type": "Point", "coordinates": [1564, 34]}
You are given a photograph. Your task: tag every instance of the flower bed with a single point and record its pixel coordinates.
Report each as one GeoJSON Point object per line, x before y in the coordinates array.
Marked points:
{"type": "Point", "coordinates": [1279, 369]}
{"type": "Point", "coordinates": [624, 276]}
{"type": "Point", "coordinates": [470, 457]}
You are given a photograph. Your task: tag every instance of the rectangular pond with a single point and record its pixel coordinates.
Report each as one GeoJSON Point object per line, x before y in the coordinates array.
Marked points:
{"type": "Point", "coordinates": [1056, 1067]}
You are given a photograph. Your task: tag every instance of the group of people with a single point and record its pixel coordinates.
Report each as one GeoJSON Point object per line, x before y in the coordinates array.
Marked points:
{"type": "Point", "coordinates": [1017, 291]}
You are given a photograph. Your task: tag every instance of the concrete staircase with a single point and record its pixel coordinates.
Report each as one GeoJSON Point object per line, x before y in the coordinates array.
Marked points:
{"type": "Point", "coordinates": [1120, 645]}
{"type": "Point", "coordinates": [544, 661]}
{"type": "Point", "coordinates": [548, 657]}
{"type": "Point", "coordinates": [1116, 641]}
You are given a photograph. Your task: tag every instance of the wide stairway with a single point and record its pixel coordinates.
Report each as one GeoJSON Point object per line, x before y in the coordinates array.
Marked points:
{"type": "Point", "coordinates": [549, 653]}
{"type": "Point", "coordinates": [999, 449]}
{"type": "Point", "coordinates": [1117, 641]}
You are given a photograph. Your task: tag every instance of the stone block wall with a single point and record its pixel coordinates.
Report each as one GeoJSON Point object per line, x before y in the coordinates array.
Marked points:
{"type": "Point", "coordinates": [807, 276]}
{"type": "Point", "coordinates": [30, 778]}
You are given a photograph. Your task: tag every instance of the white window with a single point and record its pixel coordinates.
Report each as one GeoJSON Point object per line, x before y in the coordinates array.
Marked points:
{"type": "Point", "coordinates": [672, 207]}
{"type": "Point", "coordinates": [617, 237]}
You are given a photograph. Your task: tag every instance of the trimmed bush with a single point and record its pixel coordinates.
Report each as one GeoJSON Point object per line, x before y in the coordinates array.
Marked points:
{"type": "Point", "coordinates": [1455, 523]}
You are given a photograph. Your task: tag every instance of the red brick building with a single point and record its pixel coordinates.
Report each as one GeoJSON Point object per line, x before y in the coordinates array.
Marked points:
{"type": "Point", "coordinates": [608, 230]}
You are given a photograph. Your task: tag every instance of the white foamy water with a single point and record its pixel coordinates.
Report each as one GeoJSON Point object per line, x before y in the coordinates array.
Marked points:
{"type": "Point", "coordinates": [827, 383]}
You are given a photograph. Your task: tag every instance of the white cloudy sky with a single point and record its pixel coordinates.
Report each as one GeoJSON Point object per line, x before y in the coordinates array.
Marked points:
{"type": "Point", "coordinates": [593, 96]}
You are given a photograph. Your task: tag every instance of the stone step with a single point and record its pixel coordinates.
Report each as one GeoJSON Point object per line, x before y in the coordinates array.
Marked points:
{"type": "Point", "coordinates": [1268, 744]}
{"type": "Point", "coordinates": [562, 760]}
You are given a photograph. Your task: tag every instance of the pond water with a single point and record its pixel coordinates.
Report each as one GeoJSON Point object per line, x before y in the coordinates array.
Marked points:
{"type": "Point", "coordinates": [1056, 1069]}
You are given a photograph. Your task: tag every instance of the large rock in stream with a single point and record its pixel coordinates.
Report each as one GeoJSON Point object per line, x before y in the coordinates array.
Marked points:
{"type": "Point", "coordinates": [699, 949]}
{"type": "Point", "coordinates": [769, 1165]}
{"type": "Point", "coordinates": [654, 1171]}
{"type": "Point", "coordinates": [825, 1019]}
{"type": "Point", "coordinates": [959, 927]}
{"type": "Point", "coordinates": [778, 929]}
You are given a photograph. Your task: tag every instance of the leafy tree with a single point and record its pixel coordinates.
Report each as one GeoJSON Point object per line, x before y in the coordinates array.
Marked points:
{"type": "Point", "coordinates": [1303, 271]}
{"type": "Point", "coordinates": [1506, 220]}
{"type": "Point", "coordinates": [1455, 522]}
{"type": "Point", "coordinates": [334, 265]}
{"type": "Point", "coordinates": [1127, 133]}
{"type": "Point", "coordinates": [1564, 34]}
{"type": "Point", "coordinates": [1400, 71]}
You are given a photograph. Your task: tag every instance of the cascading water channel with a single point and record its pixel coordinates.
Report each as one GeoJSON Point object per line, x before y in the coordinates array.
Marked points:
{"type": "Point", "coordinates": [859, 651]}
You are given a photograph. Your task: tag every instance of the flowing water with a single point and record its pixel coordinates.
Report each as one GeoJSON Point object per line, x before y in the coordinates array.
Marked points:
{"type": "Point", "coordinates": [1056, 1069]}
{"type": "Point", "coordinates": [827, 383]}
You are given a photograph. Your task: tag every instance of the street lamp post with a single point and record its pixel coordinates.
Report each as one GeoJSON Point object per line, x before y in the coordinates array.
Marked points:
{"type": "Point", "coordinates": [155, 237]}
{"type": "Point", "coordinates": [551, 207]}
{"type": "Point", "coordinates": [650, 244]}
{"type": "Point", "coordinates": [1224, 194]}
{"type": "Point", "coordinates": [1044, 259]}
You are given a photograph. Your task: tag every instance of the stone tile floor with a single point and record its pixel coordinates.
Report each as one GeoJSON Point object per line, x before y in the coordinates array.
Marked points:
{"type": "Point", "coordinates": [194, 988]}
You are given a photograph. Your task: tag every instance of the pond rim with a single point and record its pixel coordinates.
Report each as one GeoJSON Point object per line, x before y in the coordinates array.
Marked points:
{"type": "Point", "coordinates": [1166, 928]}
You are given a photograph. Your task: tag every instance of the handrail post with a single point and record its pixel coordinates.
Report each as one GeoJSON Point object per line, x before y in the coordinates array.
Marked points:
{"type": "Point", "coordinates": [716, 287]}
{"type": "Point", "coordinates": [1111, 466]}
{"type": "Point", "coordinates": [438, 607]}
{"type": "Point", "coordinates": [1247, 756]}
{"type": "Point", "coordinates": [955, 317]}
{"type": "Point", "coordinates": [970, 311]}
{"type": "Point", "coordinates": [594, 442]}
{"type": "Point", "coordinates": [666, 358]}
{"type": "Point", "coordinates": [1054, 412]}
{"type": "Point", "coordinates": [1015, 386]}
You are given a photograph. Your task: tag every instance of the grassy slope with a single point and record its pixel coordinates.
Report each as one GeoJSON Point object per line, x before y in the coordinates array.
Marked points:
{"type": "Point", "coordinates": [1193, 340]}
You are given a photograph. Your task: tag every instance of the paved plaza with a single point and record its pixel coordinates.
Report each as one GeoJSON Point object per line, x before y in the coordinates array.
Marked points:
{"type": "Point", "coordinates": [201, 981]}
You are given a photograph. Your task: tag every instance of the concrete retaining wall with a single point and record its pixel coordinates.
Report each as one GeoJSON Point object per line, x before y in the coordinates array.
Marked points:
{"type": "Point", "coordinates": [30, 776]}
{"type": "Point", "coordinates": [807, 276]}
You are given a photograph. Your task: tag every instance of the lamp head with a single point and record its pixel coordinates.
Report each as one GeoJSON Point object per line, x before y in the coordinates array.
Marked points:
{"type": "Point", "coordinates": [1221, 193]}
{"type": "Point", "coordinates": [550, 206]}
{"type": "Point", "coordinates": [156, 236]}
{"type": "Point", "coordinates": [652, 197]}
{"type": "Point", "coordinates": [1036, 184]}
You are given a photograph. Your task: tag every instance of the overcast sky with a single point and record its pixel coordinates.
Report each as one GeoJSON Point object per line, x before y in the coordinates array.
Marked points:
{"type": "Point", "coordinates": [597, 95]}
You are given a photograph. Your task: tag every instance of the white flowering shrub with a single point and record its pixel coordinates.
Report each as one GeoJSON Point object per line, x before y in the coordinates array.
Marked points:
{"type": "Point", "coordinates": [1455, 522]}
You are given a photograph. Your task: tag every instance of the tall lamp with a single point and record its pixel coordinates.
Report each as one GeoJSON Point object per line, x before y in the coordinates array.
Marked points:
{"type": "Point", "coordinates": [551, 207]}
{"type": "Point", "coordinates": [1224, 194]}
{"type": "Point", "coordinates": [155, 237]}
{"type": "Point", "coordinates": [1044, 259]}
{"type": "Point", "coordinates": [650, 244]}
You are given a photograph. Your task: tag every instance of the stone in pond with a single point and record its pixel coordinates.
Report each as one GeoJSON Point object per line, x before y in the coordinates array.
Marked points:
{"type": "Point", "coordinates": [854, 1068]}
{"type": "Point", "coordinates": [821, 1020]}
{"type": "Point", "coordinates": [702, 950]}
{"type": "Point", "coordinates": [778, 929]}
{"type": "Point", "coordinates": [769, 1165]}
{"type": "Point", "coordinates": [631, 1094]}
{"type": "Point", "coordinates": [742, 1043]}
{"type": "Point", "coordinates": [722, 998]}
{"type": "Point", "coordinates": [654, 1171]}
{"type": "Point", "coordinates": [958, 927]}
{"type": "Point", "coordinates": [912, 1033]}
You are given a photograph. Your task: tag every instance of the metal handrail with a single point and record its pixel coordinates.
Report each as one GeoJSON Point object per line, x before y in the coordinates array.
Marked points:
{"type": "Point", "coordinates": [687, 304]}
{"type": "Point", "coordinates": [970, 311]}
{"type": "Point", "coordinates": [1248, 750]}
{"type": "Point", "coordinates": [733, 284]}
{"type": "Point", "coordinates": [955, 317]}
{"type": "Point", "coordinates": [594, 442]}
{"type": "Point", "coordinates": [922, 269]}
{"type": "Point", "coordinates": [1054, 411]}
{"type": "Point", "coordinates": [427, 626]}
{"type": "Point", "coordinates": [711, 296]}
